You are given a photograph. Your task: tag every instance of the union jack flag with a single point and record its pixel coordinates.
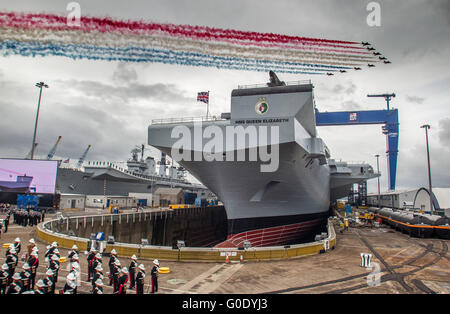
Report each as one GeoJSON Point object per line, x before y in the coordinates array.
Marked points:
{"type": "Point", "coordinates": [203, 96]}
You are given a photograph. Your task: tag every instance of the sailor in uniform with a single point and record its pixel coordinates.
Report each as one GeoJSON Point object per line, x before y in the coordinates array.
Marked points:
{"type": "Point", "coordinates": [4, 275]}
{"type": "Point", "coordinates": [154, 275]}
{"type": "Point", "coordinates": [122, 281]}
{"type": "Point", "coordinates": [112, 260]}
{"type": "Point", "coordinates": [33, 261]}
{"type": "Point", "coordinates": [97, 275]}
{"type": "Point", "coordinates": [140, 277]}
{"type": "Point", "coordinates": [15, 287]}
{"type": "Point", "coordinates": [48, 281]}
{"type": "Point", "coordinates": [132, 271]}
{"type": "Point", "coordinates": [25, 276]}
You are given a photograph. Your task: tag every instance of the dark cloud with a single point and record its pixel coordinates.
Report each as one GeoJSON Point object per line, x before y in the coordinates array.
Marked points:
{"type": "Point", "coordinates": [129, 92]}
{"type": "Point", "coordinates": [415, 99]}
{"type": "Point", "coordinates": [124, 73]}
{"type": "Point", "coordinates": [112, 117]}
{"type": "Point", "coordinates": [413, 167]}
{"type": "Point", "coordinates": [443, 8]}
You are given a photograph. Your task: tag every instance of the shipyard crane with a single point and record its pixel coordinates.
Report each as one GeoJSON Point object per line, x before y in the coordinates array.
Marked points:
{"type": "Point", "coordinates": [389, 119]}
{"type": "Point", "coordinates": [83, 157]}
{"type": "Point", "coordinates": [53, 150]}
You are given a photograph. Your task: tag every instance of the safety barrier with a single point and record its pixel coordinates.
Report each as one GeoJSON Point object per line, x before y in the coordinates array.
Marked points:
{"type": "Point", "coordinates": [194, 253]}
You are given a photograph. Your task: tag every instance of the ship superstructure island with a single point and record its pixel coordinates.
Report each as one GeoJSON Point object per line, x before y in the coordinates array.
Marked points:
{"type": "Point", "coordinates": [266, 207]}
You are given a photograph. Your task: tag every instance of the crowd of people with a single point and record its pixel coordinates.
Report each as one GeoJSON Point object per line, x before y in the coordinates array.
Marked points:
{"type": "Point", "coordinates": [21, 216]}
{"type": "Point", "coordinates": [4, 207]}
{"type": "Point", "coordinates": [16, 280]}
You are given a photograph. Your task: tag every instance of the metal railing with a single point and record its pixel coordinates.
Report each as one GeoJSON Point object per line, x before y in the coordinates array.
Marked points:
{"type": "Point", "coordinates": [186, 119]}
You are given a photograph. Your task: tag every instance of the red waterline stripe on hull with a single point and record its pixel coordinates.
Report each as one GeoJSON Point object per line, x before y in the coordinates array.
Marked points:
{"type": "Point", "coordinates": [269, 236]}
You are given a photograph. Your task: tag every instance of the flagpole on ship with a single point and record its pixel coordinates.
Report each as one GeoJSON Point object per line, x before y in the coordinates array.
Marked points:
{"type": "Point", "coordinates": [207, 107]}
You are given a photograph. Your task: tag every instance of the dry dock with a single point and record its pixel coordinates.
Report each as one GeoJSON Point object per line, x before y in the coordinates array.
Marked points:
{"type": "Point", "coordinates": [407, 265]}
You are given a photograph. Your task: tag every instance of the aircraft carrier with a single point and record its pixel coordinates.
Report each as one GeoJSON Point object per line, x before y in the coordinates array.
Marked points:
{"type": "Point", "coordinates": [265, 207]}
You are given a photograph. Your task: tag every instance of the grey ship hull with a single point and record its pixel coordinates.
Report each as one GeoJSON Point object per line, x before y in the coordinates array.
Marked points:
{"type": "Point", "coordinates": [294, 196]}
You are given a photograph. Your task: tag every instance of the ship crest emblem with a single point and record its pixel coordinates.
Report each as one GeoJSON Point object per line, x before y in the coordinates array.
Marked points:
{"type": "Point", "coordinates": [261, 106]}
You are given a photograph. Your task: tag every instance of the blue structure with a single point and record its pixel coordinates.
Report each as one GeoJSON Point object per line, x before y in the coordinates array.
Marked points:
{"type": "Point", "coordinates": [389, 119]}
{"type": "Point", "coordinates": [24, 200]}
{"type": "Point", "coordinates": [100, 236]}
{"type": "Point", "coordinates": [189, 198]}
{"type": "Point", "coordinates": [201, 202]}
{"type": "Point", "coordinates": [348, 210]}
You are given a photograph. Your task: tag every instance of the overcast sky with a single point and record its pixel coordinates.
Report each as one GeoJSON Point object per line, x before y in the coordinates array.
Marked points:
{"type": "Point", "coordinates": [110, 104]}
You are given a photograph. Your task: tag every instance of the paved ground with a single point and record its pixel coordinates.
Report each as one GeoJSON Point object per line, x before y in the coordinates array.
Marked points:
{"type": "Point", "coordinates": [407, 265]}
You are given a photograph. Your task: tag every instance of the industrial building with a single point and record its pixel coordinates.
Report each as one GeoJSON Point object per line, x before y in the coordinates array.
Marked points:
{"type": "Point", "coordinates": [413, 199]}
{"type": "Point", "coordinates": [161, 197]}
{"type": "Point", "coordinates": [167, 196]}
{"type": "Point", "coordinates": [81, 201]}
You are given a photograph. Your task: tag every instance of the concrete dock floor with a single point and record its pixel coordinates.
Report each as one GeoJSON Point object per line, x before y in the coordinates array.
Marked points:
{"type": "Point", "coordinates": [406, 265]}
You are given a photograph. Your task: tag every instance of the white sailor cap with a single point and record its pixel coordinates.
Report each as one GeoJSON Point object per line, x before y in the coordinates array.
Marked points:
{"type": "Point", "coordinates": [133, 257]}
{"type": "Point", "coordinates": [93, 249]}
{"type": "Point", "coordinates": [40, 283]}
{"type": "Point", "coordinates": [32, 241]}
{"type": "Point", "coordinates": [16, 276]}
{"type": "Point", "coordinates": [5, 266]}
{"type": "Point", "coordinates": [116, 262]}
{"type": "Point", "coordinates": [98, 256]}
{"type": "Point", "coordinates": [54, 244]}
{"type": "Point", "coordinates": [74, 247]}
{"type": "Point", "coordinates": [113, 251]}
{"type": "Point", "coordinates": [17, 240]}
{"type": "Point", "coordinates": [141, 267]}
{"type": "Point", "coordinates": [156, 262]}
{"type": "Point", "coordinates": [26, 266]}
{"type": "Point", "coordinates": [125, 270]}
{"type": "Point", "coordinates": [35, 248]}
